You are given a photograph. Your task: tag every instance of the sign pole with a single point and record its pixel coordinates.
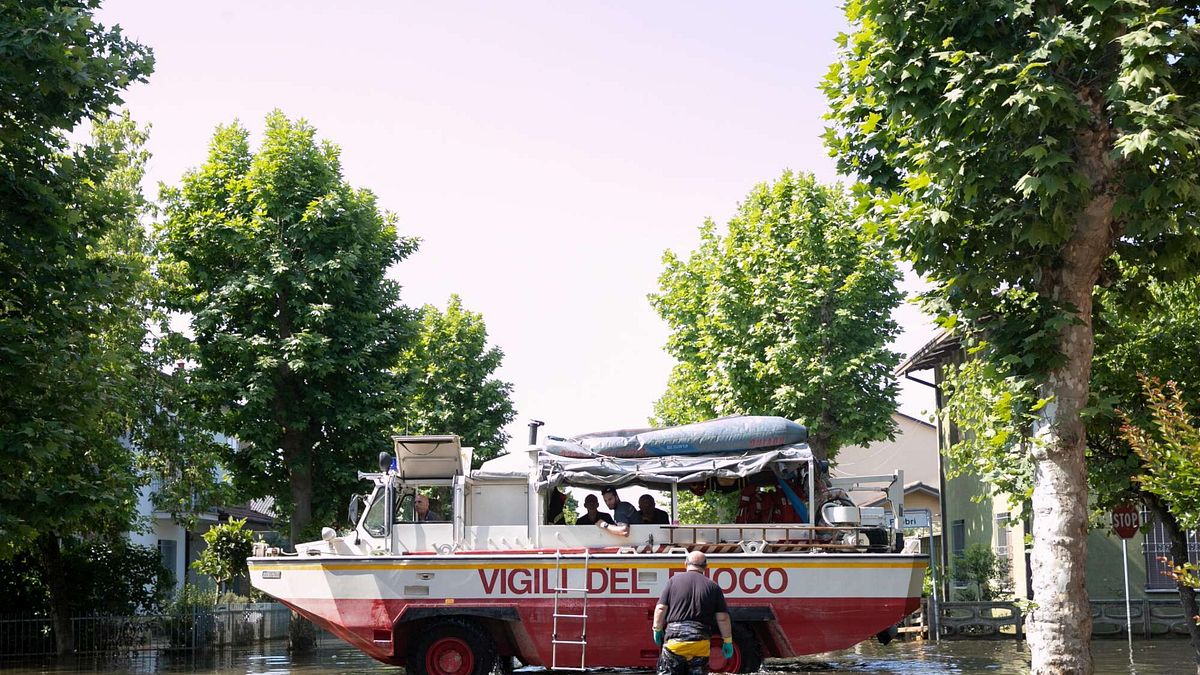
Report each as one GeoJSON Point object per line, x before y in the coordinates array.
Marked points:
{"type": "Point", "coordinates": [933, 614]}
{"type": "Point", "coordinates": [1128, 617]}
{"type": "Point", "coordinates": [1126, 519]}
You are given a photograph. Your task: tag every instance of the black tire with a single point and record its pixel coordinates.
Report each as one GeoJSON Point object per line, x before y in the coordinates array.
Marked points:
{"type": "Point", "coordinates": [747, 653]}
{"type": "Point", "coordinates": [451, 647]}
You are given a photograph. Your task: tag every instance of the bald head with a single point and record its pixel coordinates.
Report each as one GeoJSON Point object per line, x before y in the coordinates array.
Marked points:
{"type": "Point", "coordinates": [696, 560]}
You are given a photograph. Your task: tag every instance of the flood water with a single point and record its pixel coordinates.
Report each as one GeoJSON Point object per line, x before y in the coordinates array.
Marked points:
{"type": "Point", "coordinates": [1150, 657]}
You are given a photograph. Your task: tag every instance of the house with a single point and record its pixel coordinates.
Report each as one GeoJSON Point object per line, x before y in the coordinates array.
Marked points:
{"type": "Point", "coordinates": [973, 515]}
{"type": "Point", "coordinates": [915, 451]}
{"type": "Point", "coordinates": [179, 546]}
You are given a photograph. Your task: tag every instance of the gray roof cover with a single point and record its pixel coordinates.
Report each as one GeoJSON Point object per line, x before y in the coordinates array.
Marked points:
{"type": "Point", "coordinates": [599, 470]}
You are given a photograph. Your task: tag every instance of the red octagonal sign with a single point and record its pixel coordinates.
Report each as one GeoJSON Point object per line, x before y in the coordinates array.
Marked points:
{"type": "Point", "coordinates": [1126, 520]}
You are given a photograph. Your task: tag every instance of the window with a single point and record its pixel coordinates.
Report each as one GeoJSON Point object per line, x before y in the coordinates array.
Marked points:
{"type": "Point", "coordinates": [958, 537]}
{"type": "Point", "coordinates": [1158, 546]}
{"type": "Point", "coordinates": [166, 553]}
{"type": "Point", "coordinates": [1002, 535]}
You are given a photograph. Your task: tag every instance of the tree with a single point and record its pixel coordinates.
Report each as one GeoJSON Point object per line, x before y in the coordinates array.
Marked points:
{"type": "Point", "coordinates": [786, 313]}
{"type": "Point", "coordinates": [713, 506]}
{"type": "Point", "coordinates": [73, 301]}
{"type": "Point", "coordinates": [1138, 333]}
{"type": "Point", "coordinates": [1170, 449]}
{"type": "Point", "coordinates": [448, 384]}
{"type": "Point", "coordinates": [1141, 329]}
{"type": "Point", "coordinates": [1168, 445]}
{"type": "Point", "coordinates": [280, 266]}
{"type": "Point", "coordinates": [65, 289]}
{"type": "Point", "coordinates": [983, 573]}
{"type": "Point", "coordinates": [105, 575]}
{"type": "Point", "coordinates": [224, 557]}
{"type": "Point", "coordinates": [1011, 149]}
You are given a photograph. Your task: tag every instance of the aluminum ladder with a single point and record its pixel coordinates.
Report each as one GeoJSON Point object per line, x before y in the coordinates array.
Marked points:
{"type": "Point", "coordinates": [581, 617]}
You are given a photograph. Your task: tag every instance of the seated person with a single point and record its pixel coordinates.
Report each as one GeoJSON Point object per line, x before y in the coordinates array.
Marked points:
{"type": "Point", "coordinates": [594, 514]}
{"type": "Point", "coordinates": [650, 514]}
{"type": "Point", "coordinates": [424, 513]}
{"type": "Point", "coordinates": [623, 513]}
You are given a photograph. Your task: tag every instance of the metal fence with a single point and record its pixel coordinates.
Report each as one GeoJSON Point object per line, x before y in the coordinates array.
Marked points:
{"type": "Point", "coordinates": [1149, 618]}
{"type": "Point", "coordinates": [190, 630]}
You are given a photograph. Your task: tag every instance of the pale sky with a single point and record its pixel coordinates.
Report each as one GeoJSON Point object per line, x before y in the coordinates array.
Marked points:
{"type": "Point", "coordinates": [546, 153]}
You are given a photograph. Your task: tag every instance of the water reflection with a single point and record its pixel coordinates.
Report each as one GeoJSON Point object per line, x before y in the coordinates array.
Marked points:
{"type": "Point", "coordinates": [1151, 657]}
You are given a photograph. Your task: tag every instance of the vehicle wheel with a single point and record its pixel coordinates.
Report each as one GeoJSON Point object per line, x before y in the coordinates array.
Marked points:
{"type": "Point", "coordinates": [452, 647]}
{"type": "Point", "coordinates": [504, 665]}
{"type": "Point", "coordinates": [747, 653]}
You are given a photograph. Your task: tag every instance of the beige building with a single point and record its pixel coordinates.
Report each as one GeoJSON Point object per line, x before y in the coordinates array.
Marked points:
{"type": "Point", "coordinates": [915, 450]}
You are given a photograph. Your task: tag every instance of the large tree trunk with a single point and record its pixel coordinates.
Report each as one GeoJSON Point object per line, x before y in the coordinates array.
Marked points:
{"type": "Point", "coordinates": [1060, 626]}
{"type": "Point", "coordinates": [298, 453]}
{"type": "Point", "coordinates": [50, 558]}
{"type": "Point", "coordinates": [1179, 556]}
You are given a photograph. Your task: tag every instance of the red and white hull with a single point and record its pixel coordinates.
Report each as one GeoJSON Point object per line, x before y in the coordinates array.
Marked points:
{"type": "Point", "coordinates": [799, 603]}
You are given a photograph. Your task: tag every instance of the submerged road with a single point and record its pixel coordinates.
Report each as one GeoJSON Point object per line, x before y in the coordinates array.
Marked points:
{"type": "Point", "coordinates": [1008, 657]}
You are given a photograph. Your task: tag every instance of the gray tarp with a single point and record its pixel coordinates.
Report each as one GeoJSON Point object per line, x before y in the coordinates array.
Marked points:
{"type": "Point", "coordinates": [650, 471]}
{"type": "Point", "coordinates": [723, 435]}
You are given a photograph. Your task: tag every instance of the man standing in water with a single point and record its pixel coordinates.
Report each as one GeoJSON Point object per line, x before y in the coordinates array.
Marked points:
{"type": "Point", "coordinates": [688, 610]}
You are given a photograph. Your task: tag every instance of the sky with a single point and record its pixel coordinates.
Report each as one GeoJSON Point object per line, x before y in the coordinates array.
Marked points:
{"type": "Point", "coordinates": [545, 153]}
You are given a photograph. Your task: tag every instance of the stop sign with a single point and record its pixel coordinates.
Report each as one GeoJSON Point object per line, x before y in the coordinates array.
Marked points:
{"type": "Point", "coordinates": [1126, 520]}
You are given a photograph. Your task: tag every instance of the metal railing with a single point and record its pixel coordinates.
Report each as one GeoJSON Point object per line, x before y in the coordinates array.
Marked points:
{"type": "Point", "coordinates": [189, 630]}
{"type": "Point", "coordinates": [1005, 620]}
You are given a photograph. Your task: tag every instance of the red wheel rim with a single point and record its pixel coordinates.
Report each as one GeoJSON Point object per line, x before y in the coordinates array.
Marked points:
{"type": "Point", "coordinates": [717, 662]}
{"type": "Point", "coordinates": [449, 656]}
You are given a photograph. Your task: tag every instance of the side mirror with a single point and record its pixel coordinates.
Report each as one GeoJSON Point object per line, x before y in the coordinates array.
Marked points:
{"type": "Point", "coordinates": [385, 462]}
{"type": "Point", "coordinates": [356, 503]}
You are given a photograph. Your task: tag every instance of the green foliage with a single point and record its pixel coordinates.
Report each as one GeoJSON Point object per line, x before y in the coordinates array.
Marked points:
{"type": "Point", "coordinates": [995, 411]}
{"type": "Point", "coordinates": [190, 617]}
{"type": "Point", "coordinates": [991, 137]}
{"type": "Point", "coordinates": [73, 323]}
{"type": "Point", "coordinates": [280, 266]}
{"type": "Point", "coordinates": [448, 386]}
{"type": "Point", "coordinates": [713, 506]}
{"type": "Point", "coordinates": [61, 68]}
{"type": "Point", "coordinates": [109, 577]}
{"type": "Point", "coordinates": [985, 574]}
{"type": "Point", "coordinates": [71, 273]}
{"type": "Point", "coordinates": [1139, 333]}
{"type": "Point", "coordinates": [788, 312]}
{"type": "Point", "coordinates": [1169, 447]}
{"type": "Point", "coordinates": [224, 557]}
{"type": "Point", "coordinates": [1013, 151]}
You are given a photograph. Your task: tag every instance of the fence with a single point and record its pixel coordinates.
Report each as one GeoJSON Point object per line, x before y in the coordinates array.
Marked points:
{"type": "Point", "coordinates": [1004, 620]}
{"type": "Point", "coordinates": [195, 629]}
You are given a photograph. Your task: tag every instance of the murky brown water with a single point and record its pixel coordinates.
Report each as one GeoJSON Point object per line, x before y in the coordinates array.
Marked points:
{"type": "Point", "coordinates": [1150, 657]}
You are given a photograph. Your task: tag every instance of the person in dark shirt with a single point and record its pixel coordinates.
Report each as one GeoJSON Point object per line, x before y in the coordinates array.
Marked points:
{"type": "Point", "coordinates": [650, 514]}
{"type": "Point", "coordinates": [690, 608]}
{"type": "Point", "coordinates": [624, 514]}
{"type": "Point", "coordinates": [424, 513]}
{"type": "Point", "coordinates": [594, 514]}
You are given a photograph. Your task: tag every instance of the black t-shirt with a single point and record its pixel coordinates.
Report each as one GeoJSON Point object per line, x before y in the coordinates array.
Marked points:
{"type": "Point", "coordinates": [585, 519]}
{"type": "Point", "coordinates": [691, 596]}
{"type": "Point", "coordinates": [657, 517]}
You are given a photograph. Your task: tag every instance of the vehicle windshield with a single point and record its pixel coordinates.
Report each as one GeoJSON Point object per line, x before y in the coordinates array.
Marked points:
{"type": "Point", "coordinates": [408, 508]}
{"type": "Point", "coordinates": [373, 522]}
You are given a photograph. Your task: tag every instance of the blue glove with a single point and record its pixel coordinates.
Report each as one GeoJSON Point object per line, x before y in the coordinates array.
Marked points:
{"type": "Point", "coordinates": [658, 637]}
{"type": "Point", "coordinates": [727, 649]}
